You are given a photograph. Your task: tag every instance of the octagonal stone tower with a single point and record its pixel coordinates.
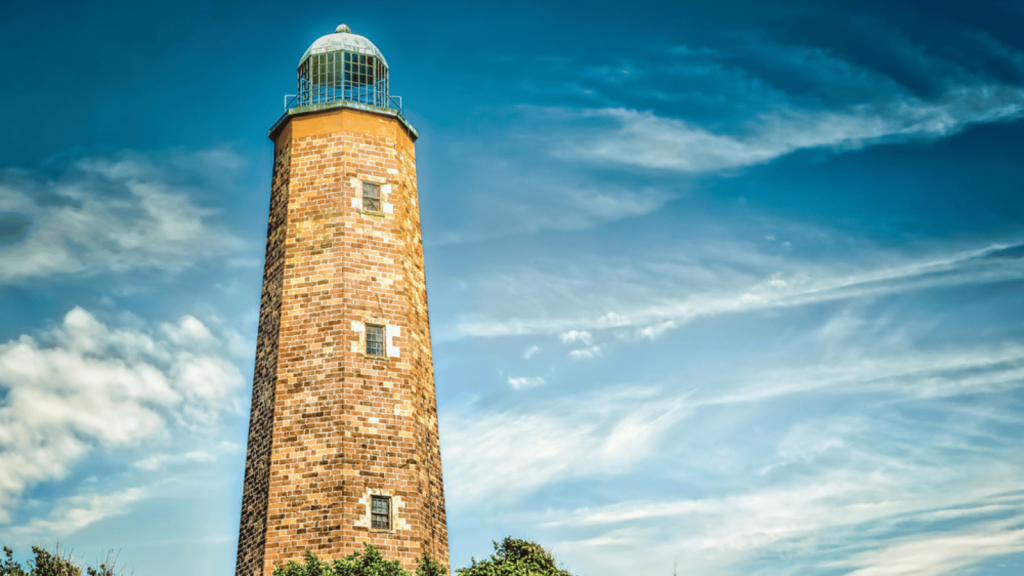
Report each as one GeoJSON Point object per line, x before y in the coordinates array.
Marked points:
{"type": "Point", "coordinates": [343, 440]}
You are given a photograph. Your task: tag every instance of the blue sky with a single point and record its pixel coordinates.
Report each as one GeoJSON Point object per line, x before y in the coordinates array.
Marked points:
{"type": "Point", "coordinates": [729, 286]}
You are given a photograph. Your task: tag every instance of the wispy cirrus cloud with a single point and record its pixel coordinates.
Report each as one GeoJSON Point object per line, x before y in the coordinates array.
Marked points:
{"type": "Point", "coordinates": [855, 523]}
{"type": "Point", "coordinates": [644, 139]}
{"type": "Point", "coordinates": [500, 457]}
{"type": "Point", "coordinates": [537, 199]}
{"type": "Point", "coordinates": [943, 553]}
{"type": "Point", "coordinates": [77, 512]}
{"type": "Point", "coordinates": [204, 454]}
{"type": "Point", "coordinates": [862, 493]}
{"type": "Point", "coordinates": [756, 100]}
{"type": "Point", "coordinates": [836, 472]}
{"type": "Point", "coordinates": [751, 286]}
{"type": "Point", "coordinates": [113, 215]}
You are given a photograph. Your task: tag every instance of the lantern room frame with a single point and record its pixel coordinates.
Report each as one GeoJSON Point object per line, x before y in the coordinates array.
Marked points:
{"type": "Point", "coordinates": [343, 75]}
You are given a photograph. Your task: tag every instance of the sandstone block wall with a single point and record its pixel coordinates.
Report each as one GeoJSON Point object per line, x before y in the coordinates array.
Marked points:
{"type": "Point", "coordinates": [331, 426]}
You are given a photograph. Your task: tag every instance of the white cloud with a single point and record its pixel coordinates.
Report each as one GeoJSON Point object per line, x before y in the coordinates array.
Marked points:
{"type": "Point", "coordinates": [586, 353]}
{"type": "Point", "coordinates": [524, 382]}
{"type": "Point", "coordinates": [529, 352]}
{"type": "Point", "coordinates": [114, 216]}
{"type": "Point", "coordinates": [654, 331]}
{"type": "Point", "coordinates": [188, 331]}
{"type": "Point", "coordinates": [86, 384]}
{"type": "Point", "coordinates": [576, 336]}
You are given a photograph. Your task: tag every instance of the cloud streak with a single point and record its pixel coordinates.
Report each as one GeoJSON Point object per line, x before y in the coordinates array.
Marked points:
{"type": "Point", "coordinates": [940, 554]}
{"type": "Point", "coordinates": [75, 513]}
{"type": "Point", "coordinates": [498, 457]}
{"type": "Point", "coordinates": [849, 106]}
{"type": "Point", "coordinates": [800, 286]}
{"type": "Point", "coordinates": [111, 216]}
{"type": "Point", "coordinates": [649, 141]}
{"type": "Point", "coordinates": [850, 522]}
{"type": "Point", "coordinates": [842, 490]}
{"type": "Point", "coordinates": [864, 495]}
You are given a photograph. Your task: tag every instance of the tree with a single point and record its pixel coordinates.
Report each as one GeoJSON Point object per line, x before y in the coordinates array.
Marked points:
{"type": "Point", "coordinates": [515, 557]}
{"type": "Point", "coordinates": [46, 563]}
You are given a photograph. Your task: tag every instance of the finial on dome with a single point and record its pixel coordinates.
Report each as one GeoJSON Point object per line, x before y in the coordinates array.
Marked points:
{"type": "Point", "coordinates": [342, 29]}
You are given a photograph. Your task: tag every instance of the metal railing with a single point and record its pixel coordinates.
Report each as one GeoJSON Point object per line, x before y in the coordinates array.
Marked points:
{"type": "Point", "coordinates": [292, 101]}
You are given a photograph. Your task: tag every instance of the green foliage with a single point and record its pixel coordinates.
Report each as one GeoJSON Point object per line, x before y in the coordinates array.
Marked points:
{"type": "Point", "coordinates": [515, 557]}
{"type": "Point", "coordinates": [369, 562]}
{"type": "Point", "coordinates": [53, 564]}
{"type": "Point", "coordinates": [8, 567]}
{"type": "Point", "coordinates": [429, 567]}
{"type": "Point", "coordinates": [46, 563]}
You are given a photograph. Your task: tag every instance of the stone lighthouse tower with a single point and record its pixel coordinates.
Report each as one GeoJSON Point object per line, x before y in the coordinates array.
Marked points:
{"type": "Point", "coordinates": [343, 442]}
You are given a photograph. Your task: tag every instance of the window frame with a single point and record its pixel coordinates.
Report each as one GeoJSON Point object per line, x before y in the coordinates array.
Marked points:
{"type": "Point", "coordinates": [383, 340]}
{"type": "Point", "coordinates": [377, 186]}
{"type": "Point", "coordinates": [388, 515]}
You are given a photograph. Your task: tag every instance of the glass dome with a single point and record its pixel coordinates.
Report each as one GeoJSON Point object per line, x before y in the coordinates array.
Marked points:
{"type": "Point", "coordinates": [343, 66]}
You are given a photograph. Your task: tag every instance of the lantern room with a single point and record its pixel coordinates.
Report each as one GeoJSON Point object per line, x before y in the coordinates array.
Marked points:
{"type": "Point", "coordinates": [344, 66]}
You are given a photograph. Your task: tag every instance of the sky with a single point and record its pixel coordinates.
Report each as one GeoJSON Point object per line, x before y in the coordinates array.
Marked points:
{"type": "Point", "coordinates": [716, 287]}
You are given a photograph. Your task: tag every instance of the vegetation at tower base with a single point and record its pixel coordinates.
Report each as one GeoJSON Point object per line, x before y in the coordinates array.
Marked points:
{"type": "Point", "coordinates": [57, 563]}
{"type": "Point", "coordinates": [513, 557]}
{"type": "Point", "coordinates": [369, 562]}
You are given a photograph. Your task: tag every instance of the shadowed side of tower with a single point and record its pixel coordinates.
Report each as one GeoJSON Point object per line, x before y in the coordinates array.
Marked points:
{"type": "Point", "coordinates": [343, 440]}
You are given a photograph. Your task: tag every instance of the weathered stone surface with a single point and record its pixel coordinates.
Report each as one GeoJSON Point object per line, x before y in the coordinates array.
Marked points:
{"type": "Point", "coordinates": [331, 426]}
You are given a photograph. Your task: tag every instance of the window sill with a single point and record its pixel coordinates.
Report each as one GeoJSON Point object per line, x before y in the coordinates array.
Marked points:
{"type": "Point", "coordinates": [374, 214]}
{"type": "Point", "coordinates": [372, 357]}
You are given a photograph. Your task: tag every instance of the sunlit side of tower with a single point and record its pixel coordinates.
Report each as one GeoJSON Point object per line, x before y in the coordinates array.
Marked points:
{"type": "Point", "coordinates": [343, 441]}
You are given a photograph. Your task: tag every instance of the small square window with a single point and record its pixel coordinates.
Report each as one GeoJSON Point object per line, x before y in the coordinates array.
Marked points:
{"type": "Point", "coordinates": [371, 197]}
{"type": "Point", "coordinates": [374, 340]}
{"type": "Point", "coordinates": [380, 513]}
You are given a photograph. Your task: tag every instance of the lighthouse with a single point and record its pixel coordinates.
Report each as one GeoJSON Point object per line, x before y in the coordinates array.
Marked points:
{"type": "Point", "coordinates": [343, 442]}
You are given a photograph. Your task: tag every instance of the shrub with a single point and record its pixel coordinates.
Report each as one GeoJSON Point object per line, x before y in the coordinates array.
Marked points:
{"type": "Point", "coordinates": [369, 562]}
{"type": "Point", "coordinates": [429, 567]}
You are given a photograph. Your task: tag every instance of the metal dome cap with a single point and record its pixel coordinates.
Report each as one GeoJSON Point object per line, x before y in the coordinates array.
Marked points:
{"type": "Point", "coordinates": [343, 39]}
